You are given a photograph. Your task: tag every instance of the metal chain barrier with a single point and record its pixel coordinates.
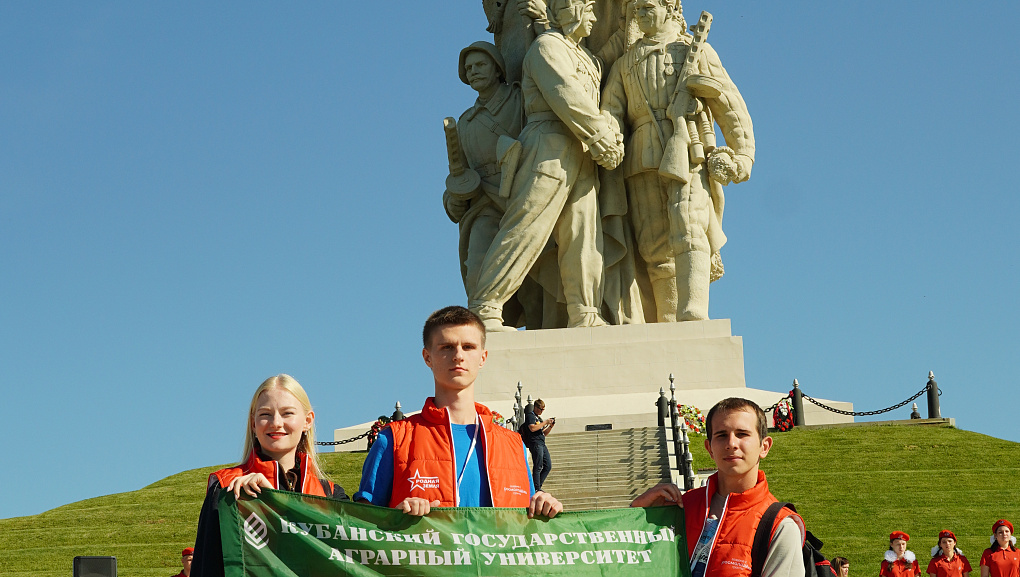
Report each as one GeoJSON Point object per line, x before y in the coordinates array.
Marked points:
{"type": "Point", "coordinates": [771, 408]}
{"type": "Point", "coordinates": [351, 440]}
{"type": "Point", "coordinates": [867, 413]}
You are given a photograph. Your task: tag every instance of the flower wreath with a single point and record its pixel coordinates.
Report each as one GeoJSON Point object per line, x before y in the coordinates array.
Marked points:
{"type": "Point", "coordinates": [498, 419]}
{"type": "Point", "coordinates": [694, 417]}
{"type": "Point", "coordinates": [782, 415]}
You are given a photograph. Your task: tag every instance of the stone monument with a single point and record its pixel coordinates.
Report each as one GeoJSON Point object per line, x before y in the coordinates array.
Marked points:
{"type": "Point", "coordinates": [566, 228]}
{"type": "Point", "coordinates": [587, 226]}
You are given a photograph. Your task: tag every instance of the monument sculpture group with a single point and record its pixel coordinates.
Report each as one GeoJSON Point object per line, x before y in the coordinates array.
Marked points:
{"type": "Point", "coordinates": [586, 179]}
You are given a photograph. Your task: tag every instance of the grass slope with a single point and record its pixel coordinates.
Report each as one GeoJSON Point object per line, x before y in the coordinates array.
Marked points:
{"type": "Point", "coordinates": [856, 485]}
{"type": "Point", "coordinates": [144, 529]}
{"type": "Point", "coordinates": [853, 486]}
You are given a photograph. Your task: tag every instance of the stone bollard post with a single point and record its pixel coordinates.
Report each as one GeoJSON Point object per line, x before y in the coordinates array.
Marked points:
{"type": "Point", "coordinates": [662, 404]}
{"type": "Point", "coordinates": [934, 412]}
{"type": "Point", "coordinates": [798, 405]}
{"type": "Point", "coordinates": [688, 459]}
{"type": "Point", "coordinates": [674, 422]}
{"type": "Point", "coordinates": [518, 408]}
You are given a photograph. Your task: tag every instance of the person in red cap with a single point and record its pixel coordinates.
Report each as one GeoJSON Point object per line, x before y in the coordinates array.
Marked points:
{"type": "Point", "coordinates": [898, 561]}
{"type": "Point", "coordinates": [946, 559]}
{"type": "Point", "coordinates": [186, 556]}
{"type": "Point", "coordinates": [1001, 559]}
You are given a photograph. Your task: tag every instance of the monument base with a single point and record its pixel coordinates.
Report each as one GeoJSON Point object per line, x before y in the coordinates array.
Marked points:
{"type": "Point", "coordinates": [611, 376]}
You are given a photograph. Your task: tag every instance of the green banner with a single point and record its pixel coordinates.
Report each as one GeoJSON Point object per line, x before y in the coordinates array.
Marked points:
{"type": "Point", "coordinates": [282, 533]}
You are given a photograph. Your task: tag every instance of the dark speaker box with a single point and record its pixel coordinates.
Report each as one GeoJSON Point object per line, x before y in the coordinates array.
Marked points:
{"type": "Point", "coordinates": [86, 566]}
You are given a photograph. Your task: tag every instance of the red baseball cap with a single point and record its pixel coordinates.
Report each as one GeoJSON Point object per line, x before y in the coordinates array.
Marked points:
{"type": "Point", "coordinates": [188, 551]}
{"type": "Point", "coordinates": [898, 535]}
{"type": "Point", "coordinates": [1001, 523]}
{"type": "Point", "coordinates": [946, 533]}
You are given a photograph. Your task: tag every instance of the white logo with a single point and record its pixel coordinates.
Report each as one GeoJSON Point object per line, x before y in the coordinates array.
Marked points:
{"type": "Point", "coordinates": [419, 482]}
{"type": "Point", "coordinates": [516, 489]}
{"type": "Point", "coordinates": [255, 531]}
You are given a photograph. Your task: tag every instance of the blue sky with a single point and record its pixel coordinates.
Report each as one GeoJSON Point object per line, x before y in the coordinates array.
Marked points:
{"type": "Point", "coordinates": [194, 197]}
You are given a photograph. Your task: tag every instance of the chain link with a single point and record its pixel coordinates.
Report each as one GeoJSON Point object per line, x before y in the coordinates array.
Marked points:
{"type": "Point", "coordinates": [867, 413]}
{"type": "Point", "coordinates": [766, 410]}
{"type": "Point", "coordinates": [351, 440]}
{"type": "Point", "coordinates": [771, 408]}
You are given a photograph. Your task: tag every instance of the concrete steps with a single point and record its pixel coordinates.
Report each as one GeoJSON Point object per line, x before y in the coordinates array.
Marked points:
{"type": "Point", "coordinates": [605, 469]}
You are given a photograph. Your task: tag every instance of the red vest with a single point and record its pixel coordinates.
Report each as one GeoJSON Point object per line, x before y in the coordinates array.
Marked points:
{"type": "Point", "coordinates": [310, 484]}
{"type": "Point", "coordinates": [423, 464]}
{"type": "Point", "coordinates": [730, 555]}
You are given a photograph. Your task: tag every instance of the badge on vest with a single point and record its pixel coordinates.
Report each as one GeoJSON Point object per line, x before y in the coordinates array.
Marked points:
{"type": "Point", "coordinates": [420, 482]}
{"type": "Point", "coordinates": [516, 489]}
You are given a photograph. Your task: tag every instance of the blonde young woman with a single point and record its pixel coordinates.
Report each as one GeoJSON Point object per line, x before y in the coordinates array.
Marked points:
{"type": "Point", "coordinates": [279, 453]}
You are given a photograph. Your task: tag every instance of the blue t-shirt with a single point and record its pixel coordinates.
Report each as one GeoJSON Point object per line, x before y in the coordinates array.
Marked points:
{"type": "Point", "coordinates": [377, 473]}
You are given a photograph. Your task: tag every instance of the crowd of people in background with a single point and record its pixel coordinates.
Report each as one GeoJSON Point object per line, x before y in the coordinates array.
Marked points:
{"type": "Point", "coordinates": [1001, 559]}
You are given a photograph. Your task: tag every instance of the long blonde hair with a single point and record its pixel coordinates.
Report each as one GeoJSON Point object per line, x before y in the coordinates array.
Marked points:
{"type": "Point", "coordinates": [307, 443]}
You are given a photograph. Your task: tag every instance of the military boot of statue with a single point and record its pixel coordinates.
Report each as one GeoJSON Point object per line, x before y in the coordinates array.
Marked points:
{"type": "Point", "coordinates": [492, 318]}
{"type": "Point", "coordinates": [584, 316]}
{"type": "Point", "coordinates": [665, 293]}
{"type": "Point", "coordinates": [693, 270]}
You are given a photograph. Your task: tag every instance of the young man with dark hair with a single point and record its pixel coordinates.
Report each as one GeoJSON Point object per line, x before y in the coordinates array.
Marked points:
{"type": "Point", "coordinates": [721, 518]}
{"type": "Point", "coordinates": [452, 454]}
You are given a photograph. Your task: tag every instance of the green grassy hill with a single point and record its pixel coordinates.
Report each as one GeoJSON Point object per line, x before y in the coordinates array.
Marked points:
{"type": "Point", "coordinates": [853, 486]}
{"type": "Point", "coordinates": [144, 529]}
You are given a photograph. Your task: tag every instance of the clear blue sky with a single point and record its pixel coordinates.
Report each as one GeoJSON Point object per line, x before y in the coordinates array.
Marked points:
{"type": "Point", "coordinates": [196, 196]}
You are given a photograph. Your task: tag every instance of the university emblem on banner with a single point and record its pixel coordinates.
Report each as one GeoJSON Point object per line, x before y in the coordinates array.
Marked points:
{"type": "Point", "coordinates": [255, 531]}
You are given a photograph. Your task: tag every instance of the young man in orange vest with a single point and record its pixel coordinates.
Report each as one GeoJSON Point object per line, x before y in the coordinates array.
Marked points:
{"type": "Point", "coordinates": [452, 454]}
{"type": "Point", "coordinates": [721, 518]}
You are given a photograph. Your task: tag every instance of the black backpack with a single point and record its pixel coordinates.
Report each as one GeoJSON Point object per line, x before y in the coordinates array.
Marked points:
{"type": "Point", "coordinates": [815, 564]}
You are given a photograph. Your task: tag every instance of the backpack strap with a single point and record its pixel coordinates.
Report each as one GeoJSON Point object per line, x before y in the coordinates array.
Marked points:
{"type": "Point", "coordinates": [763, 536]}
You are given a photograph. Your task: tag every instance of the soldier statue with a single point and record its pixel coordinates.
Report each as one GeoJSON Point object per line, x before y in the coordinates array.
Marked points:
{"type": "Point", "coordinates": [495, 119]}
{"type": "Point", "coordinates": [676, 214]}
{"type": "Point", "coordinates": [553, 194]}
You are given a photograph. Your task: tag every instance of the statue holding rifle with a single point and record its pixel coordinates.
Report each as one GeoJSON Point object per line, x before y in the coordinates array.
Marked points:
{"type": "Point", "coordinates": [669, 89]}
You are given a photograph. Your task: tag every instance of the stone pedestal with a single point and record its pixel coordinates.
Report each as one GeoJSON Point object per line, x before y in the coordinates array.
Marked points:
{"type": "Point", "coordinates": [612, 375]}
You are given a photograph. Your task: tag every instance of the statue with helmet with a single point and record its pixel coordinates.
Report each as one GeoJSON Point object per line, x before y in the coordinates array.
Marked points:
{"type": "Point", "coordinates": [553, 234]}
{"type": "Point", "coordinates": [553, 194]}
{"type": "Point", "coordinates": [483, 150]}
